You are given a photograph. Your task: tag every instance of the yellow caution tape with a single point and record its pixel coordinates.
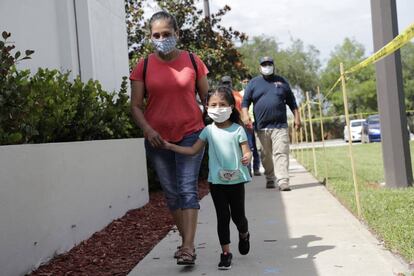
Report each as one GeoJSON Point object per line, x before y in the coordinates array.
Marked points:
{"type": "Point", "coordinates": [332, 88]}
{"type": "Point", "coordinates": [388, 49]}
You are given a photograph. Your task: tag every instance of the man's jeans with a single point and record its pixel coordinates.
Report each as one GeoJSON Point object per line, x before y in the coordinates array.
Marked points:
{"type": "Point", "coordinates": [251, 139]}
{"type": "Point", "coordinates": [274, 152]}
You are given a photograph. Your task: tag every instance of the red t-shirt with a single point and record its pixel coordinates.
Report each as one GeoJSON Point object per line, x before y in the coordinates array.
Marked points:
{"type": "Point", "coordinates": [171, 108]}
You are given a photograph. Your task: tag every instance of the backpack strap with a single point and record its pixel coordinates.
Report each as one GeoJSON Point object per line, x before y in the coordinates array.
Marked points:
{"type": "Point", "coordinates": [198, 100]}
{"type": "Point", "coordinates": [195, 68]}
{"type": "Point", "coordinates": [194, 63]}
{"type": "Point", "coordinates": [144, 74]}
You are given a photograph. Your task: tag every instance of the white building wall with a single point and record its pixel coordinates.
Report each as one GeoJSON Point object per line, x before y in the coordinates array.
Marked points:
{"type": "Point", "coordinates": [87, 37]}
{"type": "Point", "coordinates": [53, 196]}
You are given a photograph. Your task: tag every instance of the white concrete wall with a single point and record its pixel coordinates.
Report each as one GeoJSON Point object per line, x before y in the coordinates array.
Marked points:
{"type": "Point", "coordinates": [87, 37]}
{"type": "Point", "coordinates": [53, 196]}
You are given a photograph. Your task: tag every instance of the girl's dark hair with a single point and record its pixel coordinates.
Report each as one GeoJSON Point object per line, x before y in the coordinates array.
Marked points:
{"type": "Point", "coordinates": [225, 92]}
{"type": "Point", "coordinates": [163, 15]}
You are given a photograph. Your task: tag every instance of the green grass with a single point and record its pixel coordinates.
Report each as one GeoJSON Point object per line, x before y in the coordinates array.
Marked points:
{"type": "Point", "coordinates": [388, 212]}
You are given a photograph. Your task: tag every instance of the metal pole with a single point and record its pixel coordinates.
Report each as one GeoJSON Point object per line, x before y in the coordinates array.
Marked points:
{"type": "Point", "coordinates": [390, 94]}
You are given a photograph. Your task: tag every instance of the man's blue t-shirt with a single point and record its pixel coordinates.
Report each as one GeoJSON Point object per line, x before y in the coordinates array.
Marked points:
{"type": "Point", "coordinates": [224, 152]}
{"type": "Point", "coordinates": [269, 98]}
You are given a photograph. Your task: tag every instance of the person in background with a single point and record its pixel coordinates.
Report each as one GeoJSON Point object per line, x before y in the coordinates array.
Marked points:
{"type": "Point", "coordinates": [172, 114]}
{"type": "Point", "coordinates": [227, 81]}
{"type": "Point", "coordinates": [238, 96]}
{"type": "Point", "coordinates": [270, 93]}
{"type": "Point", "coordinates": [229, 155]}
{"type": "Point", "coordinates": [251, 133]}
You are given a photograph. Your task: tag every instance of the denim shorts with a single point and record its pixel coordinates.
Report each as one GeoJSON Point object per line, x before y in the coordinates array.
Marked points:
{"type": "Point", "coordinates": [178, 173]}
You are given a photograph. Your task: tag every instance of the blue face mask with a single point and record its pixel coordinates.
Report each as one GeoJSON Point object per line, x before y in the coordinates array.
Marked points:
{"type": "Point", "coordinates": [166, 45]}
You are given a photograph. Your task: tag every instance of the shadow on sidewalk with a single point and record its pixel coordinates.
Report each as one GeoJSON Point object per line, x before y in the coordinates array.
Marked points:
{"type": "Point", "coordinates": [275, 250]}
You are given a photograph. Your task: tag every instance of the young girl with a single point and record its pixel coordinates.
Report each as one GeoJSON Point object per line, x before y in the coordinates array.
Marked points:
{"type": "Point", "coordinates": [229, 155]}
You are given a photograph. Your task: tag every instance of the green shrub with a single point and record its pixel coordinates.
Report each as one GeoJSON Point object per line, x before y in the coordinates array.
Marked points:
{"type": "Point", "coordinates": [49, 107]}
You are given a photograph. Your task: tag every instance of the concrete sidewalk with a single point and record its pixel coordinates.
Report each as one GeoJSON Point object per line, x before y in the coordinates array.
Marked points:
{"type": "Point", "coordinates": [304, 232]}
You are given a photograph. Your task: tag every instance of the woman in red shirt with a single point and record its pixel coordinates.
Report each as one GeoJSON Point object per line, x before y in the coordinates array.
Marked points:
{"type": "Point", "coordinates": [172, 113]}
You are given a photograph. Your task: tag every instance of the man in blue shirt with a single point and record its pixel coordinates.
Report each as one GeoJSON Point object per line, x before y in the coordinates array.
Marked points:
{"type": "Point", "coordinates": [270, 94]}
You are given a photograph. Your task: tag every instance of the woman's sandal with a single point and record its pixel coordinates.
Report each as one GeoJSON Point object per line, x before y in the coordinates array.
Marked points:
{"type": "Point", "coordinates": [177, 253]}
{"type": "Point", "coordinates": [187, 257]}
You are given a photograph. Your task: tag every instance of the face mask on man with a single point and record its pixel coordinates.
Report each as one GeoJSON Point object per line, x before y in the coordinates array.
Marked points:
{"type": "Point", "coordinates": [219, 114]}
{"type": "Point", "coordinates": [267, 70]}
{"type": "Point", "coordinates": [166, 45]}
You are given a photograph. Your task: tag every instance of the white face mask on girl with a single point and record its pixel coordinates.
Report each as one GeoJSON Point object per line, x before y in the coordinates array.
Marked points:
{"type": "Point", "coordinates": [267, 70]}
{"type": "Point", "coordinates": [219, 114]}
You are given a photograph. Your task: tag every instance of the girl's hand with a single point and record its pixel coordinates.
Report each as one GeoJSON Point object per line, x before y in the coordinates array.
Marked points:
{"type": "Point", "coordinates": [246, 158]}
{"type": "Point", "coordinates": [166, 145]}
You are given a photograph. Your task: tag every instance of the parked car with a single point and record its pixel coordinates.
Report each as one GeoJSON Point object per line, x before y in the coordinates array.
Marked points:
{"type": "Point", "coordinates": [356, 130]}
{"type": "Point", "coordinates": [371, 130]}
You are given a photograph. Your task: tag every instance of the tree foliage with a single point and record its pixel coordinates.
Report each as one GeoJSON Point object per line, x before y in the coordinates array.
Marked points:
{"type": "Point", "coordinates": [407, 59]}
{"type": "Point", "coordinates": [299, 65]}
{"type": "Point", "coordinates": [361, 88]}
{"type": "Point", "coordinates": [361, 85]}
{"type": "Point", "coordinates": [212, 42]}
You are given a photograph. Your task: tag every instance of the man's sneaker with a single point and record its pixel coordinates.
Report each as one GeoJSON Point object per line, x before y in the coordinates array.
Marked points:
{"type": "Point", "coordinates": [270, 184]}
{"type": "Point", "coordinates": [225, 261]}
{"type": "Point", "coordinates": [284, 187]}
{"type": "Point", "coordinates": [244, 244]}
{"type": "Point", "coordinates": [257, 173]}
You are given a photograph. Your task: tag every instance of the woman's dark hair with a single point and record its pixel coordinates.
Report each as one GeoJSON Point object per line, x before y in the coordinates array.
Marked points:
{"type": "Point", "coordinates": [249, 77]}
{"type": "Point", "coordinates": [163, 15]}
{"type": "Point", "coordinates": [225, 92]}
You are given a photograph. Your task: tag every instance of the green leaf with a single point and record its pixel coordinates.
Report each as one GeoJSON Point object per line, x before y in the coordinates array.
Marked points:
{"type": "Point", "coordinates": [15, 138]}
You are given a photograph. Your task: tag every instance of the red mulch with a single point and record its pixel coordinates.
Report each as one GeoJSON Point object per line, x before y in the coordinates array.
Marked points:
{"type": "Point", "coordinates": [120, 246]}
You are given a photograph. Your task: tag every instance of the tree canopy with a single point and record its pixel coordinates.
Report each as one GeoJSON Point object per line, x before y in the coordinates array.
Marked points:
{"type": "Point", "coordinates": [212, 42]}
{"type": "Point", "coordinates": [299, 65]}
{"type": "Point", "coordinates": [361, 89]}
{"type": "Point", "coordinates": [407, 59]}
